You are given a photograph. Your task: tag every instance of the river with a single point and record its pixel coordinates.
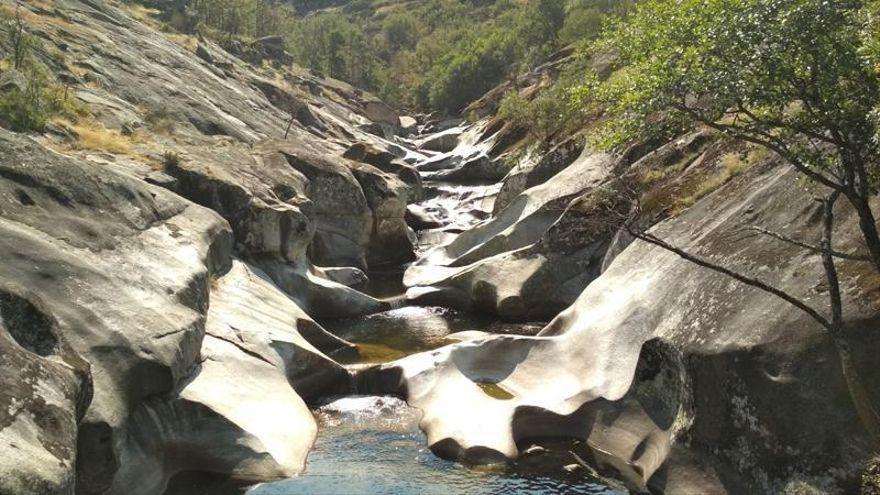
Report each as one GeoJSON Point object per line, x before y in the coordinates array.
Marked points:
{"type": "Point", "coordinates": [373, 446]}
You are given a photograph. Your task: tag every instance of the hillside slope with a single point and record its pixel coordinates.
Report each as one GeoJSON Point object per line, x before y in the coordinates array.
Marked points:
{"type": "Point", "coordinates": [169, 245]}
{"type": "Point", "coordinates": [135, 236]}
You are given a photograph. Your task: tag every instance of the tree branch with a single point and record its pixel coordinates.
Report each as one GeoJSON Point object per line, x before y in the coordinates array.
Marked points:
{"type": "Point", "coordinates": [750, 281]}
{"type": "Point", "coordinates": [828, 262]}
{"type": "Point", "coordinates": [762, 139]}
{"type": "Point", "coordinates": [810, 247]}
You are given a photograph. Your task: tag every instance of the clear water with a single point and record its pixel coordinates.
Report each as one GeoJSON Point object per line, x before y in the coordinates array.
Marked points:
{"type": "Point", "coordinates": [395, 334]}
{"type": "Point", "coordinates": [372, 446]}
{"type": "Point", "coordinates": [458, 207]}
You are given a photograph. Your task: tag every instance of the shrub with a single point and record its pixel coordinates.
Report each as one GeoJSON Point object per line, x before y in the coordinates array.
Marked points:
{"type": "Point", "coordinates": [334, 46]}
{"type": "Point", "coordinates": [170, 159]}
{"type": "Point", "coordinates": [25, 109]}
{"type": "Point", "coordinates": [20, 42]}
{"type": "Point", "coordinates": [29, 104]}
{"type": "Point", "coordinates": [549, 113]}
{"type": "Point", "coordinates": [465, 75]}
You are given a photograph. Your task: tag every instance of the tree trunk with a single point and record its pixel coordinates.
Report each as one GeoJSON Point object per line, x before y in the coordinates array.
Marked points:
{"type": "Point", "coordinates": [858, 393]}
{"type": "Point", "coordinates": [868, 226]}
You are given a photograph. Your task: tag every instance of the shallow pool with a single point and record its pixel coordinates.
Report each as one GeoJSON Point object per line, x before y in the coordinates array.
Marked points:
{"type": "Point", "coordinates": [372, 446]}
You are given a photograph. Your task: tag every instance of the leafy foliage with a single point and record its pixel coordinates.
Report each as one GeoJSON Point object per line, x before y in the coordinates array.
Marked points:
{"type": "Point", "coordinates": [31, 98]}
{"type": "Point", "coordinates": [332, 45]}
{"type": "Point", "coordinates": [428, 54]}
{"type": "Point", "coordinates": [547, 114]}
{"type": "Point", "coordinates": [789, 75]}
{"type": "Point", "coordinates": [20, 42]}
{"type": "Point", "coordinates": [440, 54]}
{"type": "Point", "coordinates": [782, 71]}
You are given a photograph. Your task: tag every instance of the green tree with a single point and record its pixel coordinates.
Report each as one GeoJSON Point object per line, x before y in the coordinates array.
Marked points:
{"type": "Point", "coordinates": [400, 31]}
{"type": "Point", "coordinates": [466, 74]}
{"type": "Point", "coordinates": [788, 75]}
{"type": "Point", "coordinates": [334, 46]}
{"type": "Point", "coordinates": [21, 43]}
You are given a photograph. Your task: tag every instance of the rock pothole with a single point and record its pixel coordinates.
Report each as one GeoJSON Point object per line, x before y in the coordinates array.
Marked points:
{"type": "Point", "coordinates": [27, 325]}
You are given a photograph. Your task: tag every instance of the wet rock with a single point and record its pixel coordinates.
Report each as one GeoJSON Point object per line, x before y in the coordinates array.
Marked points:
{"type": "Point", "coordinates": [319, 296]}
{"type": "Point", "coordinates": [530, 261]}
{"type": "Point", "coordinates": [386, 161]}
{"type": "Point", "coordinates": [442, 142]}
{"type": "Point", "coordinates": [654, 353]}
{"type": "Point", "coordinates": [420, 219]}
{"type": "Point", "coordinates": [435, 125]}
{"type": "Point", "coordinates": [477, 169]}
{"type": "Point", "coordinates": [534, 449]}
{"type": "Point", "coordinates": [346, 275]}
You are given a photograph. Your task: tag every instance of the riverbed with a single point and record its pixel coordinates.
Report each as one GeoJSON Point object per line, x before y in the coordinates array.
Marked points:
{"type": "Point", "coordinates": [372, 445]}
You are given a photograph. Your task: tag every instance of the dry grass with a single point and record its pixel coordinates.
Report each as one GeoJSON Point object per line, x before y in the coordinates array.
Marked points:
{"type": "Point", "coordinates": [33, 19]}
{"type": "Point", "coordinates": [735, 164]}
{"type": "Point", "coordinates": [143, 14]}
{"type": "Point", "coordinates": [159, 119]}
{"type": "Point", "coordinates": [78, 70]}
{"type": "Point", "coordinates": [674, 193]}
{"type": "Point", "coordinates": [150, 17]}
{"type": "Point", "coordinates": [189, 43]}
{"type": "Point", "coordinates": [94, 136]}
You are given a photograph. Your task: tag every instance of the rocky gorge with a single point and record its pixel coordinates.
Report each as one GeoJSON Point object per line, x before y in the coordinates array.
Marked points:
{"type": "Point", "coordinates": [195, 281]}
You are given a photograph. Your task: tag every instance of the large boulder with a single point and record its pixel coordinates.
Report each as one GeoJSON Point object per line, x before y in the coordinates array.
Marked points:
{"type": "Point", "coordinates": [443, 142]}
{"type": "Point", "coordinates": [242, 413]}
{"type": "Point", "coordinates": [386, 161]}
{"type": "Point", "coordinates": [358, 208]}
{"type": "Point", "coordinates": [380, 112]}
{"type": "Point", "coordinates": [657, 357]}
{"type": "Point", "coordinates": [530, 172]}
{"type": "Point", "coordinates": [288, 205]}
{"type": "Point", "coordinates": [260, 195]}
{"type": "Point", "coordinates": [99, 265]}
{"type": "Point", "coordinates": [528, 262]}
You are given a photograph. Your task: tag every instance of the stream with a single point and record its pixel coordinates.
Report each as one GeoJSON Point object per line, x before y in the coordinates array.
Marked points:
{"type": "Point", "coordinates": [372, 445]}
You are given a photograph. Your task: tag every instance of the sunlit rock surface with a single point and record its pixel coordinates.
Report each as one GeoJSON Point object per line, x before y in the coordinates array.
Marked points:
{"type": "Point", "coordinates": [157, 304]}
{"type": "Point", "coordinates": [656, 352]}
{"type": "Point", "coordinates": [99, 268]}
{"type": "Point", "coordinates": [113, 348]}
{"type": "Point", "coordinates": [241, 412]}
{"type": "Point", "coordinates": [530, 260]}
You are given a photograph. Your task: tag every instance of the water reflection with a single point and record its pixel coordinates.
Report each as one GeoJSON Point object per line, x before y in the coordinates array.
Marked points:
{"type": "Point", "coordinates": [372, 445]}
{"type": "Point", "coordinates": [395, 334]}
